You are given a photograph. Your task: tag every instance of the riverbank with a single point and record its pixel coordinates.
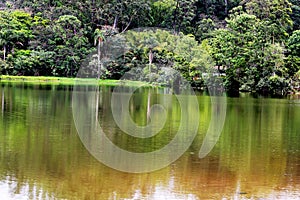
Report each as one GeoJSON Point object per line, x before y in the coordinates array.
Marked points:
{"type": "Point", "coordinates": [69, 81]}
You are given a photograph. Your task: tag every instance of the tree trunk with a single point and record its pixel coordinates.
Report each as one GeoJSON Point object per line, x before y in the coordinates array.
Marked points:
{"type": "Point", "coordinates": [148, 107]}
{"type": "Point", "coordinates": [2, 104]}
{"type": "Point", "coordinates": [97, 105]}
{"type": "Point", "coordinates": [115, 22]}
{"type": "Point", "coordinates": [4, 52]}
{"type": "Point", "coordinates": [226, 6]}
{"type": "Point", "coordinates": [127, 26]}
{"type": "Point", "coordinates": [150, 63]}
{"type": "Point", "coordinates": [99, 60]}
{"type": "Point", "coordinates": [175, 16]}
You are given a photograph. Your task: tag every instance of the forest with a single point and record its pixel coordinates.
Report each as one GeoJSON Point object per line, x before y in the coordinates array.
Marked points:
{"type": "Point", "coordinates": [255, 44]}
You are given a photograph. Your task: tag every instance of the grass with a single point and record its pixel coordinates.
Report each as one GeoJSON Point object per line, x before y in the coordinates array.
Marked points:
{"type": "Point", "coordinates": [69, 81]}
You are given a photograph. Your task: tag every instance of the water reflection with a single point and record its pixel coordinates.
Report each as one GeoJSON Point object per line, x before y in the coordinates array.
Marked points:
{"type": "Point", "coordinates": [41, 156]}
{"type": "Point", "coordinates": [13, 190]}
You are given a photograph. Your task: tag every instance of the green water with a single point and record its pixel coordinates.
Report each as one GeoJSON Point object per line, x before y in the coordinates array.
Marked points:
{"type": "Point", "coordinates": [42, 156]}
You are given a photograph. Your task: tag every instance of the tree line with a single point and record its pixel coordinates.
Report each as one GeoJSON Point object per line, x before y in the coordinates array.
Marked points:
{"type": "Point", "coordinates": [257, 43]}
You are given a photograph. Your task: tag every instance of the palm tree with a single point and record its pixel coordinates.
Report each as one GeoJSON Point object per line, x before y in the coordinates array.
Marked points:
{"type": "Point", "coordinates": [150, 43]}
{"type": "Point", "coordinates": [98, 39]}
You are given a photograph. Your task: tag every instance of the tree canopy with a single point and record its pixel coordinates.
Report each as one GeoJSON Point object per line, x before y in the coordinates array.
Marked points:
{"type": "Point", "coordinates": [256, 43]}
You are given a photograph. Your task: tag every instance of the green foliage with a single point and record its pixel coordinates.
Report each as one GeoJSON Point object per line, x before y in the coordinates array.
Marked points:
{"type": "Point", "coordinates": [254, 40]}
{"type": "Point", "coordinates": [251, 59]}
{"type": "Point", "coordinates": [204, 29]}
{"type": "Point", "coordinates": [183, 15]}
{"type": "Point", "coordinates": [296, 14]}
{"type": "Point", "coordinates": [161, 13]}
{"type": "Point", "coordinates": [294, 43]}
{"type": "Point", "coordinates": [293, 59]}
{"type": "Point", "coordinates": [124, 13]}
{"type": "Point", "coordinates": [69, 45]}
{"type": "Point", "coordinates": [275, 15]}
{"type": "Point", "coordinates": [181, 52]}
{"type": "Point", "coordinates": [14, 30]}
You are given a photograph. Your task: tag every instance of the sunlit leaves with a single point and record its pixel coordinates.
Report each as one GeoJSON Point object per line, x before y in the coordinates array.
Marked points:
{"type": "Point", "coordinates": [275, 15]}
{"type": "Point", "coordinates": [293, 60]}
{"type": "Point", "coordinates": [181, 52]}
{"type": "Point", "coordinates": [14, 30]}
{"type": "Point", "coordinates": [248, 52]}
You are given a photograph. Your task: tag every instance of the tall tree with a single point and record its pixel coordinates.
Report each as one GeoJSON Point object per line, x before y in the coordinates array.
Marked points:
{"type": "Point", "coordinates": [183, 15]}
{"type": "Point", "coordinates": [15, 30]}
{"type": "Point", "coordinates": [98, 40]}
{"type": "Point", "coordinates": [250, 62]}
{"type": "Point", "coordinates": [293, 46]}
{"type": "Point", "coordinates": [69, 44]}
{"type": "Point", "coordinates": [275, 14]}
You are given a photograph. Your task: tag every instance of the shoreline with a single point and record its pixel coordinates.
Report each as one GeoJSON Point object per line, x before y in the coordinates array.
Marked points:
{"type": "Point", "coordinates": [44, 80]}
{"type": "Point", "coordinates": [51, 80]}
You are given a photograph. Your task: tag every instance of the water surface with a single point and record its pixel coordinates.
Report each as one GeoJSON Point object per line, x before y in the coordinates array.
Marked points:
{"type": "Point", "coordinates": [42, 157]}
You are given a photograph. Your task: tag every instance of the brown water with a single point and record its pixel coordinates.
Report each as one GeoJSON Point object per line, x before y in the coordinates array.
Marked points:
{"type": "Point", "coordinates": [42, 157]}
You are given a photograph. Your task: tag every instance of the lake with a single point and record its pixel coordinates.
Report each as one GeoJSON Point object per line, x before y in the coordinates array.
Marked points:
{"type": "Point", "coordinates": [43, 157]}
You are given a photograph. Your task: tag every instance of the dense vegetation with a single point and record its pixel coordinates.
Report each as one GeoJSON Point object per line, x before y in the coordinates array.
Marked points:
{"type": "Point", "coordinates": [256, 42]}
